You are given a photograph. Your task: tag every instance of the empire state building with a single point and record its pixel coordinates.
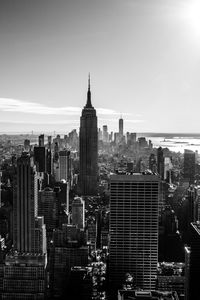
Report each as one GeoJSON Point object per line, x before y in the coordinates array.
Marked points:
{"type": "Point", "coordinates": [88, 148]}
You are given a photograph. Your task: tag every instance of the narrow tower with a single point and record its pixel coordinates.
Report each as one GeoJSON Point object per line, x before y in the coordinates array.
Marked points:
{"type": "Point", "coordinates": [88, 148]}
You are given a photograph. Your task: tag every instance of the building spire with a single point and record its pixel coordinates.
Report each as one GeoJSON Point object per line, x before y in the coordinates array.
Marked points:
{"type": "Point", "coordinates": [88, 104]}
{"type": "Point", "coordinates": [89, 82]}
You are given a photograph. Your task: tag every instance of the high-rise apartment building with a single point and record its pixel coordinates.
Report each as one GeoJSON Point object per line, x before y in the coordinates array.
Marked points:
{"type": "Point", "coordinates": [88, 151]}
{"type": "Point", "coordinates": [134, 229]}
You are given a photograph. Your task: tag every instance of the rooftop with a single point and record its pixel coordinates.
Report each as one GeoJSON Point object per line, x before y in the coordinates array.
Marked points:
{"type": "Point", "coordinates": [147, 295]}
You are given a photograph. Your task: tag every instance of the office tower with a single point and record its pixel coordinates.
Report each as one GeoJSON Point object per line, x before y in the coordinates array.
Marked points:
{"type": "Point", "coordinates": [160, 162]}
{"type": "Point", "coordinates": [48, 207]}
{"type": "Point", "coordinates": [116, 137]}
{"type": "Point", "coordinates": [187, 251]}
{"type": "Point", "coordinates": [100, 135]}
{"type": "Point", "coordinates": [131, 138]}
{"type": "Point", "coordinates": [49, 141]}
{"type": "Point", "coordinates": [189, 165]}
{"type": "Point", "coordinates": [88, 143]}
{"type": "Point", "coordinates": [48, 161]}
{"type": "Point", "coordinates": [73, 139]}
{"type": "Point", "coordinates": [152, 163]}
{"type": "Point", "coordinates": [111, 136]}
{"type": "Point", "coordinates": [24, 274]}
{"type": "Point", "coordinates": [105, 134]}
{"type": "Point", "coordinates": [68, 250]}
{"type": "Point", "coordinates": [78, 212]}
{"type": "Point", "coordinates": [40, 159]}
{"type": "Point", "coordinates": [41, 140]}
{"type": "Point", "coordinates": [40, 235]}
{"type": "Point", "coordinates": [121, 127]}
{"type": "Point", "coordinates": [150, 144]}
{"type": "Point", "coordinates": [64, 165]}
{"type": "Point", "coordinates": [56, 152]}
{"type": "Point", "coordinates": [24, 277]}
{"type": "Point", "coordinates": [24, 205]}
{"type": "Point", "coordinates": [26, 145]}
{"type": "Point", "coordinates": [134, 229]}
{"type": "Point", "coordinates": [142, 142]}
{"type": "Point", "coordinates": [168, 166]}
{"type": "Point", "coordinates": [194, 262]}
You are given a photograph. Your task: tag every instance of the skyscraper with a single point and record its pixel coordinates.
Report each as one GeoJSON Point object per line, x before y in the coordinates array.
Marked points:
{"type": "Point", "coordinates": [189, 165]}
{"type": "Point", "coordinates": [192, 281]}
{"type": "Point", "coordinates": [64, 165]}
{"type": "Point", "coordinates": [25, 205]}
{"type": "Point", "coordinates": [41, 140]}
{"type": "Point", "coordinates": [88, 150]}
{"type": "Point", "coordinates": [26, 265]}
{"type": "Point", "coordinates": [105, 134]}
{"type": "Point", "coordinates": [134, 229]}
{"type": "Point", "coordinates": [160, 162]}
{"type": "Point", "coordinates": [121, 127]}
{"type": "Point", "coordinates": [40, 158]}
{"type": "Point", "coordinates": [78, 212]}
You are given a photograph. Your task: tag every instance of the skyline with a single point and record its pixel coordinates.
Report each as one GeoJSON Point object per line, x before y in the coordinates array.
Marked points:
{"type": "Point", "coordinates": [143, 58]}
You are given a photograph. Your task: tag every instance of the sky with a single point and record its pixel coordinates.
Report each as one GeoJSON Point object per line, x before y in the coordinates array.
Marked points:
{"type": "Point", "coordinates": [143, 57]}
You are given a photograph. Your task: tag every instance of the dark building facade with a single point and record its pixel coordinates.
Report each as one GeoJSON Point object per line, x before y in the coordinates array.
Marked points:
{"type": "Point", "coordinates": [194, 264]}
{"type": "Point", "coordinates": [134, 229]}
{"type": "Point", "coordinates": [88, 148]}
{"type": "Point", "coordinates": [24, 205]}
{"type": "Point", "coordinates": [189, 165]}
{"type": "Point", "coordinates": [40, 158]}
{"type": "Point", "coordinates": [160, 162]}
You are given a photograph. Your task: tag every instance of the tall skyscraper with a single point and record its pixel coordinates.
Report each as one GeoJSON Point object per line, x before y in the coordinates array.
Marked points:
{"type": "Point", "coordinates": [25, 205]}
{"type": "Point", "coordinates": [121, 127]}
{"type": "Point", "coordinates": [134, 229]}
{"type": "Point", "coordinates": [40, 158]}
{"type": "Point", "coordinates": [105, 134]}
{"type": "Point", "coordinates": [192, 281]}
{"type": "Point", "coordinates": [189, 165]}
{"type": "Point", "coordinates": [64, 165]}
{"type": "Point", "coordinates": [41, 140]}
{"type": "Point", "coordinates": [88, 150]}
{"type": "Point", "coordinates": [78, 212]}
{"type": "Point", "coordinates": [48, 207]}
{"type": "Point", "coordinates": [152, 163]}
{"type": "Point", "coordinates": [24, 273]}
{"type": "Point", "coordinates": [160, 162]}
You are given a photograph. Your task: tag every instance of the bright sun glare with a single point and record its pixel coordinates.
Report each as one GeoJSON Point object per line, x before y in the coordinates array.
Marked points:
{"type": "Point", "coordinates": [192, 14]}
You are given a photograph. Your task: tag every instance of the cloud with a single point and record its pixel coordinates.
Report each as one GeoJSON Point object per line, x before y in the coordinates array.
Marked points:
{"type": "Point", "coordinates": [14, 105]}
{"type": "Point", "coordinates": [53, 122]}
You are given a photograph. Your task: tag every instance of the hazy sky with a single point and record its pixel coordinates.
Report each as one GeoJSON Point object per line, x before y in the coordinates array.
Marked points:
{"type": "Point", "coordinates": [143, 56]}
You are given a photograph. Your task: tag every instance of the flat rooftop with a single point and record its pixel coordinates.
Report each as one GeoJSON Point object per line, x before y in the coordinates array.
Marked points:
{"type": "Point", "coordinates": [147, 295]}
{"type": "Point", "coordinates": [134, 177]}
